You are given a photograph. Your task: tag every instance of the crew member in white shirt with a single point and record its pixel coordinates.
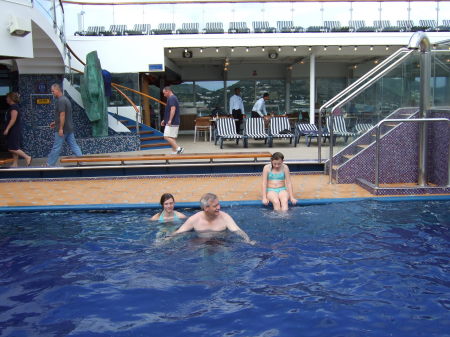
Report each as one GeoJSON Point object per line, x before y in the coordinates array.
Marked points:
{"type": "Point", "coordinates": [259, 109]}
{"type": "Point", "coordinates": [237, 108]}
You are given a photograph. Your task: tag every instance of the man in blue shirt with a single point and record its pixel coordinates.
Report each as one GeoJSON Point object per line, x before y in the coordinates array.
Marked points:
{"type": "Point", "coordinates": [171, 121]}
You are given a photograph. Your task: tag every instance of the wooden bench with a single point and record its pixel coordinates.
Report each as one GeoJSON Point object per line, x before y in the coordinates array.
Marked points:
{"type": "Point", "coordinates": [166, 157]}
{"type": "Point", "coordinates": [4, 161]}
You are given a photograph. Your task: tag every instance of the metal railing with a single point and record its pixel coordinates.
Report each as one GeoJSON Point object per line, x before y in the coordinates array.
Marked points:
{"type": "Point", "coordinates": [356, 88]}
{"type": "Point", "coordinates": [422, 158]}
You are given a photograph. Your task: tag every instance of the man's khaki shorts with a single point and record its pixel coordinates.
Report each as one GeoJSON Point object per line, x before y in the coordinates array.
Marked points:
{"type": "Point", "coordinates": [171, 131]}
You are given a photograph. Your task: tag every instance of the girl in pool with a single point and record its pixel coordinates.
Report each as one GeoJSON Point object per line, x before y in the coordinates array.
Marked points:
{"type": "Point", "coordinates": [168, 214]}
{"type": "Point", "coordinates": [277, 185]}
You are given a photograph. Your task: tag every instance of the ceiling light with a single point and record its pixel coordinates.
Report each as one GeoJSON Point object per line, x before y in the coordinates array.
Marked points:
{"type": "Point", "coordinates": [263, 49]}
{"type": "Point", "coordinates": [185, 50]}
{"type": "Point", "coordinates": [340, 48]}
{"type": "Point", "coordinates": [309, 48]}
{"type": "Point", "coordinates": [232, 49]}
{"type": "Point", "coordinates": [295, 48]}
{"type": "Point", "coordinates": [279, 48]}
{"type": "Point", "coordinates": [201, 50]}
{"type": "Point", "coordinates": [217, 50]}
{"type": "Point", "coordinates": [356, 48]}
{"type": "Point", "coordinates": [387, 47]}
{"type": "Point", "coordinates": [170, 50]}
{"type": "Point", "coordinates": [371, 47]}
{"type": "Point", "coordinates": [324, 48]}
{"type": "Point", "coordinates": [246, 49]}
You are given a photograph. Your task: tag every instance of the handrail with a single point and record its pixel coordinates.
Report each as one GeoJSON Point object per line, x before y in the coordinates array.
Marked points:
{"type": "Point", "coordinates": [363, 78]}
{"type": "Point", "coordinates": [131, 102]}
{"type": "Point", "coordinates": [139, 93]}
{"type": "Point", "coordinates": [75, 55]}
{"type": "Point", "coordinates": [377, 143]}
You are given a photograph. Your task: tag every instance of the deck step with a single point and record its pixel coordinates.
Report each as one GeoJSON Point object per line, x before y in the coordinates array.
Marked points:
{"type": "Point", "coordinates": [391, 124]}
{"type": "Point", "coordinates": [348, 156]}
{"type": "Point", "coordinates": [143, 139]}
{"type": "Point", "coordinates": [146, 132]}
{"type": "Point", "coordinates": [335, 167]}
{"type": "Point", "coordinates": [364, 146]}
{"type": "Point", "coordinates": [154, 145]}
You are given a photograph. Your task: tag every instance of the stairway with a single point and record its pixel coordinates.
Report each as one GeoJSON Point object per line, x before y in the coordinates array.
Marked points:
{"type": "Point", "coordinates": [150, 138]}
{"type": "Point", "coordinates": [355, 160]}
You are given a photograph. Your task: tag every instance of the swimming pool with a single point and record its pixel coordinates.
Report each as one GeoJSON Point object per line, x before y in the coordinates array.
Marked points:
{"type": "Point", "coordinates": [341, 269]}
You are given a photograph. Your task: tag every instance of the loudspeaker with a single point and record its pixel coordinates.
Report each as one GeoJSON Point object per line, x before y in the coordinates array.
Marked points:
{"type": "Point", "coordinates": [19, 27]}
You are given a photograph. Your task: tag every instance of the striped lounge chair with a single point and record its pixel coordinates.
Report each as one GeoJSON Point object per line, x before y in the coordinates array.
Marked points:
{"type": "Point", "coordinates": [226, 130]}
{"type": "Point", "coordinates": [339, 128]}
{"type": "Point", "coordinates": [280, 128]}
{"type": "Point", "coordinates": [254, 128]}
{"type": "Point", "coordinates": [309, 131]}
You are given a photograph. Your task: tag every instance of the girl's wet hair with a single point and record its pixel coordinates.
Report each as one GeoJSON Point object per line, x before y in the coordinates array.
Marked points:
{"type": "Point", "coordinates": [165, 197]}
{"type": "Point", "coordinates": [14, 96]}
{"type": "Point", "coordinates": [277, 156]}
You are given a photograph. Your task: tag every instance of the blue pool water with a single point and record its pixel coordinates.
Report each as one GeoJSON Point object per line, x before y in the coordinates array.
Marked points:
{"type": "Point", "coordinates": [341, 269]}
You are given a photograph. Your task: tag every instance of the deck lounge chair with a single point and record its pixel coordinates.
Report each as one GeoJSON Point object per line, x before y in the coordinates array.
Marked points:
{"type": "Point", "coordinates": [226, 130]}
{"type": "Point", "coordinates": [405, 25]}
{"type": "Point", "coordinates": [333, 26]}
{"type": "Point", "coordinates": [262, 27]}
{"type": "Point", "coordinates": [214, 28]}
{"type": "Point", "coordinates": [363, 127]}
{"type": "Point", "coordinates": [309, 131]}
{"type": "Point", "coordinates": [188, 28]}
{"type": "Point", "coordinates": [288, 27]}
{"type": "Point", "coordinates": [254, 128]}
{"type": "Point", "coordinates": [140, 29]}
{"type": "Point", "coordinates": [238, 27]}
{"type": "Point", "coordinates": [164, 28]}
{"type": "Point", "coordinates": [115, 30]}
{"type": "Point", "coordinates": [355, 25]}
{"type": "Point", "coordinates": [280, 128]}
{"type": "Point", "coordinates": [339, 128]}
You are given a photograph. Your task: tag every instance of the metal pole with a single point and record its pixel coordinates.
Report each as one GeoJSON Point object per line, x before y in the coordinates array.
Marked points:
{"type": "Point", "coordinates": [425, 77]}
{"type": "Point", "coordinates": [377, 155]}
{"type": "Point", "coordinates": [331, 147]}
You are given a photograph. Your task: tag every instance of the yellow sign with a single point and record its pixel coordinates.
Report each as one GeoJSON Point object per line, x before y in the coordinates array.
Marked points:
{"type": "Point", "coordinates": [43, 101]}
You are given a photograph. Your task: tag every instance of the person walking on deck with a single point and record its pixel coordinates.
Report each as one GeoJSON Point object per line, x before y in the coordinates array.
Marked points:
{"type": "Point", "coordinates": [171, 121]}
{"type": "Point", "coordinates": [63, 126]}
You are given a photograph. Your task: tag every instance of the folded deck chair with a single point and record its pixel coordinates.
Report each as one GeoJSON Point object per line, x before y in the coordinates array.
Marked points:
{"type": "Point", "coordinates": [339, 128]}
{"type": "Point", "coordinates": [254, 128]}
{"type": "Point", "coordinates": [309, 131]}
{"type": "Point", "coordinates": [280, 128]}
{"type": "Point", "coordinates": [226, 130]}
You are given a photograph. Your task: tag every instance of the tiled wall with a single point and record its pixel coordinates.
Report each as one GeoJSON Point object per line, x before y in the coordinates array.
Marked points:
{"type": "Point", "coordinates": [37, 115]}
{"type": "Point", "coordinates": [399, 155]}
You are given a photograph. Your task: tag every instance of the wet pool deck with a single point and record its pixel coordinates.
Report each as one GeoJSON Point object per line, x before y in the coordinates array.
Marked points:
{"type": "Point", "coordinates": [186, 189]}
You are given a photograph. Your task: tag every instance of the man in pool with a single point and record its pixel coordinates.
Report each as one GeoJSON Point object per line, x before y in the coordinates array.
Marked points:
{"type": "Point", "coordinates": [211, 220]}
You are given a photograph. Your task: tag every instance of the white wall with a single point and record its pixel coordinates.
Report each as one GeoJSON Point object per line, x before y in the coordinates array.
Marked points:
{"type": "Point", "coordinates": [121, 54]}
{"type": "Point", "coordinates": [14, 46]}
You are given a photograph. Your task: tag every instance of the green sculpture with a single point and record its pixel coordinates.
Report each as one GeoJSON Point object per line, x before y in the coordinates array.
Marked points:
{"type": "Point", "coordinates": [93, 95]}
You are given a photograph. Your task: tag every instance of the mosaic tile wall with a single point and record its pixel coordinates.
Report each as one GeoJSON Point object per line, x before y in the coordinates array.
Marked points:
{"type": "Point", "coordinates": [37, 107]}
{"type": "Point", "coordinates": [439, 142]}
{"type": "Point", "coordinates": [399, 156]}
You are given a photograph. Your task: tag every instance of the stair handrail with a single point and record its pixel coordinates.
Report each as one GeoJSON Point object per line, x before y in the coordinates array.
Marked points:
{"type": "Point", "coordinates": [131, 102]}
{"type": "Point", "coordinates": [356, 88]}
{"type": "Point", "coordinates": [139, 93]}
{"type": "Point", "coordinates": [397, 120]}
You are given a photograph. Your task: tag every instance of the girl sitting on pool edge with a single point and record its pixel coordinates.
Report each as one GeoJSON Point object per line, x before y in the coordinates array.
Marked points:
{"type": "Point", "coordinates": [276, 184]}
{"type": "Point", "coordinates": [168, 214]}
